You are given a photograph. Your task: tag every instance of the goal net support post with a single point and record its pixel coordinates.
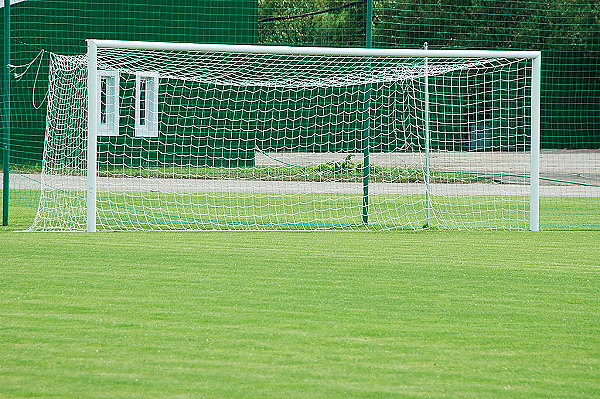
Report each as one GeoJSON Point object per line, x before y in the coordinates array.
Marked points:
{"type": "Point", "coordinates": [92, 141]}
{"type": "Point", "coordinates": [534, 195]}
{"type": "Point", "coordinates": [205, 136]}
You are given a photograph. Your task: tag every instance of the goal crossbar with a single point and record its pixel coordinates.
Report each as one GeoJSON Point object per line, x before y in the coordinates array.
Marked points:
{"type": "Point", "coordinates": [332, 51]}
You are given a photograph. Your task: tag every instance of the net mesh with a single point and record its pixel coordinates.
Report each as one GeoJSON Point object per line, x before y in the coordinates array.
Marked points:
{"type": "Point", "coordinates": [258, 141]}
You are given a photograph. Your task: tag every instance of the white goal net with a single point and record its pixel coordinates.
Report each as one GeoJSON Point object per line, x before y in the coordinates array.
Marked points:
{"type": "Point", "coordinates": [190, 137]}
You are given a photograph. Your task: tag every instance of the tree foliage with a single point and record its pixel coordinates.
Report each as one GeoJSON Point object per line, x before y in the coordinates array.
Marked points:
{"type": "Point", "coordinates": [516, 24]}
{"type": "Point", "coordinates": [340, 27]}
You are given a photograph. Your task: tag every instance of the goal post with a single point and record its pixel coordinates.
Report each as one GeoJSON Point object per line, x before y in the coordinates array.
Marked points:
{"type": "Point", "coordinates": [92, 139]}
{"type": "Point", "coordinates": [208, 136]}
{"type": "Point", "coordinates": [534, 196]}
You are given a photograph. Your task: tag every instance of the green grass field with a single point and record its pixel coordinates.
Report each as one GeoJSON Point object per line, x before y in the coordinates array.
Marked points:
{"type": "Point", "coordinates": [290, 314]}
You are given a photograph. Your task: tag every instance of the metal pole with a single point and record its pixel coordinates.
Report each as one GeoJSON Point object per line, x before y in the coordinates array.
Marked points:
{"type": "Point", "coordinates": [427, 143]}
{"type": "Point", "coordinates": [369, 23]}
{"type": "Point", "coordinates": [367, 132]}
{"type": "Point", "coordinates": [92, 135]}
{"type": "Point", "coordinates": [6, 141]}
{"type": "Point", "coordinates": [343, 51]}
{"type": "Point", "coordinates": [534, 196]}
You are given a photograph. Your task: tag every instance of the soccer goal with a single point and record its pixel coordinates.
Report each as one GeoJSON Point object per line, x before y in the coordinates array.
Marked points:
{"type": "Point", "coordinates": [165, 136]}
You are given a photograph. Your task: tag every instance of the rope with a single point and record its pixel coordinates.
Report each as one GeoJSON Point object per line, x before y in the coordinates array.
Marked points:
{"type": "Point", "coordinates": [19, 76]}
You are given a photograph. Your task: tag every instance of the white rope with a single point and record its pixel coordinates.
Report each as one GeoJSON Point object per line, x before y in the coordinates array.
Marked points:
{"type": "Point", "coordinates": [26, 67]}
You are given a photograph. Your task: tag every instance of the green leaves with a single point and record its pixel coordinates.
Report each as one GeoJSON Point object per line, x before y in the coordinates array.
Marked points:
{"type": "Point", "coordinates": [531, 24]}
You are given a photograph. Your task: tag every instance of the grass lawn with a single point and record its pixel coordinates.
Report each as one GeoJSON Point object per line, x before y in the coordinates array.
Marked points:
{"type": "Point", "coordinates": [292, 314]}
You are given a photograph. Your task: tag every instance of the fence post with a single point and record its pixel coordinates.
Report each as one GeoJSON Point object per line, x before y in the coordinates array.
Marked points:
{"type": "Point", "coordinates": [367, 133]}
{"type": "Point", "coordinates": [6, 103]}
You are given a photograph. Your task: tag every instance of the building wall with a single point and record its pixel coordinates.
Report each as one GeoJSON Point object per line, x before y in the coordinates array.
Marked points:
{"type": "Point", "coordinates": [61, 26]}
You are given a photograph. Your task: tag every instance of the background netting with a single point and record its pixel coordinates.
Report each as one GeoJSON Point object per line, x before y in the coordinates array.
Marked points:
{"type": "Point", "coordinates": [567, 32]}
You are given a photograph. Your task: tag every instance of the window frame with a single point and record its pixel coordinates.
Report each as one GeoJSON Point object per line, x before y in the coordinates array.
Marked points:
{"type": "Point", "coordinates": [146, 120]}
{"type": "Point", "coordinates": [112, 124]}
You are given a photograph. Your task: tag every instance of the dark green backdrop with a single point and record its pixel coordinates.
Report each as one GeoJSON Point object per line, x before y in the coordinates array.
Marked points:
{"type": "Point", "coordinates": [61, 26]}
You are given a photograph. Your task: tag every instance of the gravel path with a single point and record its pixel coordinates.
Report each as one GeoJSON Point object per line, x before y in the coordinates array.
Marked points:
{"type": "Point", "coordinates": [31, 181]}
{"type": "Point", "coordinates": [558, 167]}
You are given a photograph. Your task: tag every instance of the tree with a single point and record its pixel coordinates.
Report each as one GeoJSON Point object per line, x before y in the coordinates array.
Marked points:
{"type": "Point", "coordinates": [315, 22]}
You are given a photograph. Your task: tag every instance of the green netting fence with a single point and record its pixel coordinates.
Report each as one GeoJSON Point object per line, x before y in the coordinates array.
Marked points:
{"type": "Point", "coordinates": [567, 32]}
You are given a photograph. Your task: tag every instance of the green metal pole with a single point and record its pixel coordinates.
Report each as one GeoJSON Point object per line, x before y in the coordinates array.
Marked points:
{"type": "Point", "coordinates": [6, 141]}
{"type": "Point", "coordinates": [367, 132]}
{"type": "Point", "coordinates": [369, 23]}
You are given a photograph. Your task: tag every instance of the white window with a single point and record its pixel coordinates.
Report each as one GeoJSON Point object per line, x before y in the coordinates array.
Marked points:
{"type": "Point", "coordinates": [108, 103]}
{"type": "Point", "coordinates": [146, 105]}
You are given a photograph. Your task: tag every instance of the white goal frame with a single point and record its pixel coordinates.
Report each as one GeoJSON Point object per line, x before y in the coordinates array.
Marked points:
{"type": "Point", "coordinates": [92, 83]}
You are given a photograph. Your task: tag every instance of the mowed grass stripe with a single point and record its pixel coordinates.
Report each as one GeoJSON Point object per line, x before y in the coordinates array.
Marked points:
{"type": "Point", "coordinates": [290, 314]}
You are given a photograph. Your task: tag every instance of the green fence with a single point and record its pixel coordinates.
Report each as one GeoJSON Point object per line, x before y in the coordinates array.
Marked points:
{"type": "Point", "coordinates": [567, 32]}
{"type": "Point", "coordinates": [61, 26]}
